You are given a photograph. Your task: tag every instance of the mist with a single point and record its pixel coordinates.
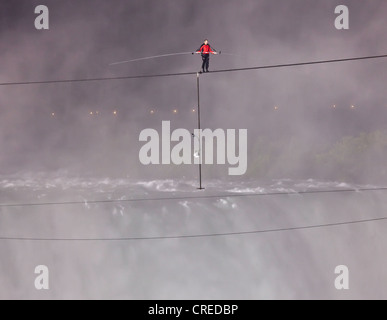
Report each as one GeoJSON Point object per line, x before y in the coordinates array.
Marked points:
{"type": "Point", "coordinates": [309, 128]}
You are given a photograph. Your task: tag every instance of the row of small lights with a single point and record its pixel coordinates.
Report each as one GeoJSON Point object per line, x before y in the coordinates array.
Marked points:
{"type": "Point", "coordinates": [115, 113]}
{"type": "Point", "coordinates": [352, 107]}
{"type": "Point", "coordinates": [333, 107]}
{"type": "Point", "coordinates": [175, 111]}
{"type": "Point", "coordinates": [91, 113]}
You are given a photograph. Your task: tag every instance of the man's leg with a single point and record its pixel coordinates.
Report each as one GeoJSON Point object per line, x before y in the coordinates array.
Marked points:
{"type": "Point", "coordinates": [207, 62]}
{"type": "Point", "coordinates": [204, 63]}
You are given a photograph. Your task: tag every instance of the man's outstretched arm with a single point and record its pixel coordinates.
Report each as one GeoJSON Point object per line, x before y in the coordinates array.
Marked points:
{"type": "Point", "coordinates": [199, 50]}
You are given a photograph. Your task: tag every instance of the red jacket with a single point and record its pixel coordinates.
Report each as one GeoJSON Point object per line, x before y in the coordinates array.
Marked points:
{"type": "Point", "coordinates": [205, 49]}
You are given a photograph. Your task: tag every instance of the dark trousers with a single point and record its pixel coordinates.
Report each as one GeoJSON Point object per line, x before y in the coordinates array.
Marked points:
{"type": "Point", "coordinates": [206, 62]}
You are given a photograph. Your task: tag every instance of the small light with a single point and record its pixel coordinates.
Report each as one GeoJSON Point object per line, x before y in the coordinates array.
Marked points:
{"type": "Point", "coordinates": [276, 108]}
{"type": "Point", "coordinates": [152, 112]}
{"type": "Point", "coordinates": [175, 111]}
{"type": "Point", "coordinates": [352, 107]}
{"type": "Point", "coordinates": [334, 106]}
{"type": "Point", "coordinates": [53, 114]}
{"type": "Point", "coordinates": [91, 113]}
{"type": "Point", "coordinates": [115, 112]}
{"type": "Point", "coordinates": [193, 110]}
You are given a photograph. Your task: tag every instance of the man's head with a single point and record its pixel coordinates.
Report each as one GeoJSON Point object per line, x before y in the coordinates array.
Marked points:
{"type": "Point", "coordinates": [206, 41]}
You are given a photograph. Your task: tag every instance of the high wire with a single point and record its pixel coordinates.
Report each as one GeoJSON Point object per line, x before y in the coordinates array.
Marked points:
{"type": "Point", "coordinates": [191, 73]}
{"type": "Point", "coordinates": [196, 236]}
{"type": "Point", "coordinates": [202, 197]}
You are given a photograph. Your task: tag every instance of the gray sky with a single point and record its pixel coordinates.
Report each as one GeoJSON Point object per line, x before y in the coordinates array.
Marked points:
{"type": "Point", "coordinates": [85, 36]}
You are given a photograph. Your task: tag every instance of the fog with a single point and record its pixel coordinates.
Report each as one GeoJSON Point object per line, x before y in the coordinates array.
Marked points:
{"type": "Point", "coordinates": [309, 127]}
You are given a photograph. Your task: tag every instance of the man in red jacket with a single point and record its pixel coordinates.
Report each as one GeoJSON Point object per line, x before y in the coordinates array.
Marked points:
{"type": "Point", "coordinates": [205, 50]}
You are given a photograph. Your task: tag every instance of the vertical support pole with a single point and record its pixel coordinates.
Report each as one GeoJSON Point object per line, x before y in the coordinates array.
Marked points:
{"type": "Point", "coordinates": [200, 137]}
